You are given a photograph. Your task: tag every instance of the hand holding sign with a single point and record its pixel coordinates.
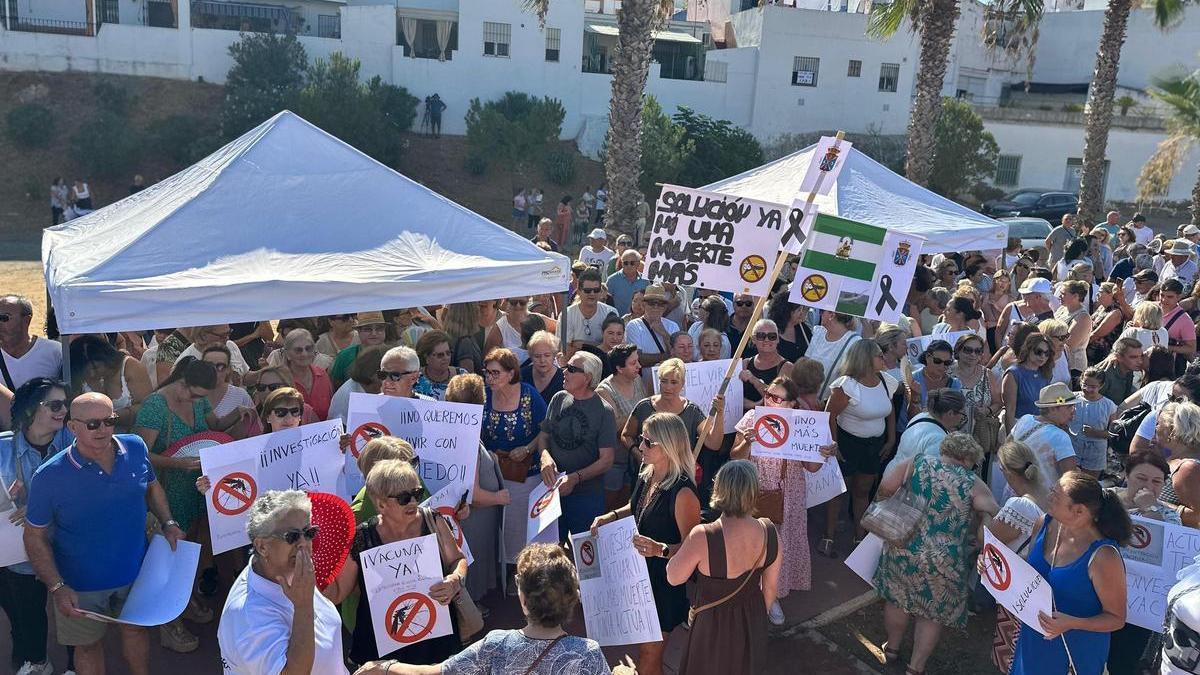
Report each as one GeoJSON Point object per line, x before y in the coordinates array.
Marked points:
{"type": "Point", "coordinates": [1015, 584]}
{"type": "Point", "coordinates": [785, 433]}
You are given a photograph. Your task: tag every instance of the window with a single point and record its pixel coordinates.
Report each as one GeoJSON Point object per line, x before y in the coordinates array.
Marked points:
{"type": "Point", "coordinates": [496, 37]}
{"type": "Point", "coordinates": [889, 76]}
{"type": "Point", "coordinates": [854, 69]}
{"type": "Point", "coordinates": [426, 40]}
{"type": "Point", "coordinates": [804, 71]}
{"type": "Point", "coordinates": [329, 25]}
{"type": "Point", "coordinates": [553, 42]}
{"type": "Point", "coordinates": [1008, 169]}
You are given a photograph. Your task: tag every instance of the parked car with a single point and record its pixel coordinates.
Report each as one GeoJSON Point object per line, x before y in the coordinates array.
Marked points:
{"type": "Point", "coordinates": [1047, 204]}
{"type": "Point", "coordinates": [1032, 232]}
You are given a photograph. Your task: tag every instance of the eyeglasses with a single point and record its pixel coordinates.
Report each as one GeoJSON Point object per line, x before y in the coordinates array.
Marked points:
{"type": "Point", "coordinates": [1174, 399]}
{"type": "Point", "coordinates": [303, 349]}
{"type": "Point", "coordinates": [766, 337]}
{"type": "Point", "coordinates": [743, 303]}
{"type": "Point", "coordinates": [518, 303]}
{"type": "Point", "coordinates": [940, 362]}
{"type": "Point", "coordinates": [655, 303]}
{"type": "Point", "coordinates": [590, 291]}
{"type": "Point", "coordinates": [284, 412]}
{"type": "Point", "coordinates": [404, 498]}
{"type": "Point", "coordinates": [1041, 352]}
{"type": "Point", "coordinates": [92, 425]}
{"type": "Point", "coordinates": [574, 369]}
{"type": "Point", "coordinates": [974, 351]}
{"type": "Point", "coordinates": [262, 388]}
{"type": "Point", "coordinates": [220, 367]}
{"type": "Point", "coordinates": [290, 537]}
{"type": "Point", "coordinates": [394, 375]}
{"type": "Point", "coordinates": [341, 317]}
{"type": "Point", "coordinates": [768, 396]}
{"type": "Point", "coordinates": [372, 328]}
{"type": "Point", "coordinates": [494, 372]}
{"type": "Point", "coordinates": [55, 405]}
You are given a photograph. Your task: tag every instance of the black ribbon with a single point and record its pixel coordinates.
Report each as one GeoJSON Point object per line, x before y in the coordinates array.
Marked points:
{"type": "Point", "coordinates": [793, 231]}
{"type": "Point", "coordinates": [885, 294]}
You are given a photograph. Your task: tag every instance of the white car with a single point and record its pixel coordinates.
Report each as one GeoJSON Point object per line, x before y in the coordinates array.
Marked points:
{"type": "Point", "coordinates": [1032, 232]}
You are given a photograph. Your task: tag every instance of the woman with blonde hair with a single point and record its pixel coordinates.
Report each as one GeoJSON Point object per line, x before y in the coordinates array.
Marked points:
{"type": "Point", "coordinates": [665, 507]}
{"type": "Point", "coordinates": [1177, 432]}
{"type": "Point", "coordinates": [1147, 326]}
{"type": "Point", "coordinates": [1108, 320]}
{"type": "Point", "coordinates": [1073, 313]}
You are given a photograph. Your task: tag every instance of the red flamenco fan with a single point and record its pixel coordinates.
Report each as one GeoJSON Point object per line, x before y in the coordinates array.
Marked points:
{"type": "Point", "coordinates": [333, 516]}
{"type": "Point", "coordinates": [189, 446]}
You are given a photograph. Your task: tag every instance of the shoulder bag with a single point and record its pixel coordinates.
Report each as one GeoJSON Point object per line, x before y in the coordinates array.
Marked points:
{"type": "Point", "coordinates": [895, 519]}
{"type": "Point", "coordinates": [823, 390]}
{"type": "Point", "coordinates": [546, 650]}
{"type": "Point", "coordinates": [470, 619]}
{"type": "Point", "coordinates": [762, 557]}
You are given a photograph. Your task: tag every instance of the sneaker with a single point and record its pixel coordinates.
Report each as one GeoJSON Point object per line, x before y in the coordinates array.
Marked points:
{"type": "Point", "coordinates": [196, 612]}
{"type": "Point", "coordinates": [175, 637]}
{"type": "Point", "coordinates": [775, 616]}
{"type": "Point", "coordinates": [30, 668]}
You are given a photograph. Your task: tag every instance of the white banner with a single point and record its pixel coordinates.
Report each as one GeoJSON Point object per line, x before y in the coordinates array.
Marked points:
{"type": "Point", "coordinates": [544, 508]}
{"type": "Point", "coordinates": [614, 586]}
{"type": "Point", "coordinates": [163, 585]}
{"type": "Point", "coordinates": [1014, 583]}
{"type": "Point", "coordinates": [445, 436]}
{"type": "Point", "coordinates": [305, 458]}
{"type": "Point", "coordinates": [397, 577]}
{"type": "Point", "coordinates": [786, 433]}
{"type": "Point", "coordinates": [827, 160]}
{"type": "Point", "coordinates": [12, 537]}
{"type": "Point", "coordinates": [1153, 558]}
{"type": "Point", "coordinates": [447, 502]}
{"type": "Point", "coordinates": [825, 484]}
{"type": "Point", "coordinates": [703, 381]}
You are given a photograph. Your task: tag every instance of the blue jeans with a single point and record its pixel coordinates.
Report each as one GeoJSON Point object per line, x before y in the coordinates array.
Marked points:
{"type": "Point", "coordinates": [579, 510]}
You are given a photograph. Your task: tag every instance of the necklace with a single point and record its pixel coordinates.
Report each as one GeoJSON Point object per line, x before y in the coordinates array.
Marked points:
{"type": "Point", "coordinates": [646, 500]}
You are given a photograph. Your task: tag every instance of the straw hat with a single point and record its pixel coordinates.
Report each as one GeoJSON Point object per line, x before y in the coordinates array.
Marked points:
{"type": "Point", "coordinates": [655, 292]}
{"type": "Point", "coordinates": [1180, 247]}
{"type": "Point", "coordinates": [1055, 395]}
{"type": "Point", "coordinates": [368, 318]}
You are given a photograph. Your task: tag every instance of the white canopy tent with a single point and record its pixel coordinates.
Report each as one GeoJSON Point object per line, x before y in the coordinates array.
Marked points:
{"type": "Point", "coordinates": [284, 221]}
{"type": "Point", "coordinates": [869, 192]}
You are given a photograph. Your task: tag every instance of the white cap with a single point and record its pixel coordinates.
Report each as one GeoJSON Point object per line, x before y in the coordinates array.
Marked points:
{"type": "Point", "coordinates": [1190, 230]}
{"type": "Point", "coordinates": [598, 233]}
{"type": "Point", "coordinates": [1036, 285]}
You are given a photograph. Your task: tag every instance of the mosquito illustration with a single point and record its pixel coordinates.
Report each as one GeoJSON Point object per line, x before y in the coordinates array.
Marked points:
{"type": "Point", "coordinates": [236, 483]}
{"type": "Point", "coordinates": [997, 561]}
{"type": "Point", "coordinates": [398, 618]}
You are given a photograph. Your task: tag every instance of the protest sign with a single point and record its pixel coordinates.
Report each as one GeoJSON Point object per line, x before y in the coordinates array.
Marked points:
{"type": "Point", "coordinates": [864, 559]}
{"type": "Point", "coordinates": [445, 436]}
{"type": "Point", "coordinates": [914, 347]}
{"type": "Point", "coordinates": [855, 268]}
{"type": "Point", "coordinates": [712, 240]}
{"type": "Point", "coordinates": [825, 484]}
{"type": "Point", "coordinates": [703, 382]}
{"type": "Point", "coordinates": [828, 157]}
{"type": "Point", "coordinates": [786, 433]}
{"type": "Point", "coordinates": [618, 604]}
{"type": "Point", "coordinates": [516, 520]}
{"type": "Point", "coordinates": [1014, 583]}
{"type": "Point", "coordinates": [1153, 558]}
{"type": "Point", "coordinates": [163, 585]}
{"type": "Point", "coordinates": [446, 503]}
{"type": "Point", "coordinates": [545, 507]}
{"type": "Point", "coordinates": [12, 542]}
{"type": "Point", "coordinates": [305, 458]}
{"type": "Point", "coordinates": [397, 577]}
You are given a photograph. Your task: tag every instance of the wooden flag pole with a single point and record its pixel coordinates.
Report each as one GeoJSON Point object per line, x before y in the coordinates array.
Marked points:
{"type": "Point", "coordinates": [780, 259]}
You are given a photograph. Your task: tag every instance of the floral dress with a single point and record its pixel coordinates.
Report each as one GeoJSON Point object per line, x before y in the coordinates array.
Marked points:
{"type": "Point", "coordinates": [187, 505]}
{"type": "Point", "coordinates": [505, 430]}
{"type": "Point", "coordinates": [979, 397]}
{"type": "Point", "coordinates": [927, 577]}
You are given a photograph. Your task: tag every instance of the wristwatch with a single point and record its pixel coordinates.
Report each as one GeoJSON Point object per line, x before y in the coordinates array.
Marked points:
{"type": "Point", "coordinates": [172, 523]}
{"type": "Point", "coordinates": [666, 551]}
{"type": "Point", "coordinates": [55, 587]}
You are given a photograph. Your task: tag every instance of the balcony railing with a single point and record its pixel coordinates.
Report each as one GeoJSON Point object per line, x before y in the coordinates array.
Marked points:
{"type": "Point", "coordinates": [329, 26]}
{"type": "Point", "coordinates": [54, 26]}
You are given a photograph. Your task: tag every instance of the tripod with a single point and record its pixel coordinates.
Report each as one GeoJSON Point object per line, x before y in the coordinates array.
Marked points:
{"type": "Point", "coordinates": [426, 127]}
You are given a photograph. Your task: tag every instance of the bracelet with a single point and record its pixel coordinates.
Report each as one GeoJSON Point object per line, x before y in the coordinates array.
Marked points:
{"type": "Point", "coordinates": [172, 523]}
{"type": "Point", "coordinates": [389, 667]}
{"type": "Point", "coordinates": [55, 588]}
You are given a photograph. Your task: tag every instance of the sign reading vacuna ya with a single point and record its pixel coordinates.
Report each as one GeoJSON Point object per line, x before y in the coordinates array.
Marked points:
{"type": "Point", "coordinates": [717, 241]}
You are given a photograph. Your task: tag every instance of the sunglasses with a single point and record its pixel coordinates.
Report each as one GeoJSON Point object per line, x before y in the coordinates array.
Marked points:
{"type": "Point", "coordinates": [655, 303]}
{"type": "Point", "coordinates": [284, 412]}
{"type": "Point", "coordinates": [394, 375]}
{"type": "Point", "coordinates": [55, 405]}
{"type": "Point", "coordinates": [574, 369]}
{"type": "Point", "coordinates": [1174, 399]}
{"type": "Point", "coordinates": [940, 362]}
{"type": "Point", "coordinates": [302, 350]}
{"type": "Point", "coordinates": [766, 337]}
{"type": "Point", "coordinates": [372, 328]}
{"type": "Point", "coordinates": [404, 498]}
{"type": "Point", "coordinates": [743, 303]}
{"type": "Point", "coordinates": [974, 351]}
{"type": "Point", "coordinates": [630, 263]}
{"type": "Point", "coordinates": [1041, 352]}
{"type": "Point", "coordinates": [92, 425]}
{"type": "Point", "coordinates": [290, 537]}
{"type": "Point", "coordinates": [494, 372]}
{"type": "Point", "coordinates": [340, 317]}
{"type": "Point", "coordinates": [647, 443]}
{"type": "Point", "coordinates": [262, 388]}
{"type": "Point", "coordinates": [590, 291]}
{"type": "Point", "coordinates": [219, 367]}
{"type": "Point", "coordinates": [518, 303]}
{"type": "Point", "coordinates": [768, 396]}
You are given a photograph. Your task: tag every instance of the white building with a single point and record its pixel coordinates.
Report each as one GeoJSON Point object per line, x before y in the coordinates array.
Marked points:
{"type": "Point", "coordinates": [772, 70]}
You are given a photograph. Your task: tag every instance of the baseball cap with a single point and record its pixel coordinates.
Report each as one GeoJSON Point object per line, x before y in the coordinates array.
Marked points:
{"type": "Point", "coordinates": [598, 233]}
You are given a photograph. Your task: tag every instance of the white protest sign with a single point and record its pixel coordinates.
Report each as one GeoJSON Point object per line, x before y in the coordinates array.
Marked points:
{"type": "Point", "coordinates": [703, 381]}
{"type": "Point", "coordinates": [713, 240]}
{"type": "Point", "coordinates": [825, 484]}
{"type": "Point", "coordinates": [618, 603]}
{"type": "Point", "coordinates": [516, 520]}
{"type": "Point", "coordinates": [855, 268]}
{"type": "Point", "coordinates": [12, 542]}
{"type": "Point", "coordinates": [397, 577]}
{"type": "Point", "coordinates": [786, 433]}
{"type": "Point", "coordinates": [545, 507]}
{"type": "Point", "coordinates": [163, 585]}
{"type": "Point", "coordinates": [446, 502]}
{"type": "Point", "coordinates": [445, 436]}
{"type": "Point", "coordinates": [305, 458]}
{"type": "Point", "coordinates": [827, 160]}
{"type": "Point", "coordinates": [864, 559]}
{"type": "Point", "coordinates": [1014, 583]}
{"type": "Point", "coordinates": [1153, 558]}
{"type": "Point", "coordinates": [914, 347]}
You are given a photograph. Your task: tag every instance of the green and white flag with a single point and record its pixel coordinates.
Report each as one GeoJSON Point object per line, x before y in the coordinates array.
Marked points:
{"type": "Point", "coordinates": [855, 268]}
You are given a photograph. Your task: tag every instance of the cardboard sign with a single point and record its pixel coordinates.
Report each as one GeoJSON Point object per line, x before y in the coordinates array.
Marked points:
{"type": "Point", "coordinates": [712, 240]}
{"type": "Point", "coordinates": [864, 559]}
{"type": "Point", "coordinates": [703, 382]}
{"type": "Point", "coordinates": [445, 502]}
{"type": "Point", "coordinates": [163, 585]}
{"type": "Point", "coordinates": [618, 603]}
{"type": "Point", "coordinates": [825, 484]}
{"type": "Point", "coordinates": [784, 433]}
{"type": "Point", "coordinates": [855, 268]}
{"type": "Point", "coordinates": [545, 507]}
{"type": "Point", "coordinates": [1153, 558]}
{"type": "Point", "coordinates": [445, 437]}
{"type": "Point", "coordinates": [827, 160]}
{"type": "Point", "coordinates": [12, 536]}
{"type": "Point", "coordinates": [397, 577]}
{"type": "Point", "coordinates": [305, 458]}
{"type": "Point", "coordinates": [1014, 583]}
{"type": "Point", "coordinates": [914, 347]}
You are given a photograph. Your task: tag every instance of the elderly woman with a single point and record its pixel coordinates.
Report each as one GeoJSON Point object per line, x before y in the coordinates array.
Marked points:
{"type": "Point", "coordinates": [1024, 380]}
{"type": "Point", "coordinates": [312, 381]}
{"type": "Point", "coordinates": [275, 599]}
{"type": "Point", "coordinates": [364, 379]}
{"type": "Point", "coordinates": [926, 578]}
{"type": "Point", "coordinates": [433, 350]}
{"type": "Point", "coordinates": [39, 411]}
{"type": "Point", "coordinates": [1146, 326]}
{"type": "Point", "coordinates": [666, 508]}
{"type": "Point", "coordinates": [671, 382]}
{"type": "Point", "coordinates": [683, 347]}
{"type": "Point", "coordinates": [710, 344]}
{"type": "Point", "coordinates": [767, 363]}
{"type": "Point", "coordinates": [1177, 432]}
{"type": "Point", "coordinates": [341, 334]}
{"type": "Point", "coordinates": [260, 385]}
{"type": "Point", "coordinates": [543, 372]}
{"type": "Point", "coordinates": [226, 397]}
{"type": "Point", "coordinates": [715, 315]}
{"type": "Point", "coordinates": [97, 366]}
{"type": "Point", "coordinates": [396, 491]}
{"type": "Point", "coordinates": [623, 390]}
{"type": "Point", "coordinates": [1108, 320]}
{"type": "Point", "coordinates": [945, 413]}
{"type": "Point", "coordinates": [399, 370]}
{"type": "Point", "coordinates": [734, 564]}
{"type": "Point", "coordinates": [1034, 306]}
{"type": "Point", "coordinates": [282, 409]}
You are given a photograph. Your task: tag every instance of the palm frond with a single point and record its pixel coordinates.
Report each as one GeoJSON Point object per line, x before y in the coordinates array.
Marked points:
{"type": "Point", "coordinates": [1157, 173]}
{"type": "Point", "coordinates": [1168, 13]}
{"type": "Point", "coordinates": [539, 7]}
{"type": "Point", "coordinates": [885, 20]}
{"type": "Point", "coordinates": [1181, 95]}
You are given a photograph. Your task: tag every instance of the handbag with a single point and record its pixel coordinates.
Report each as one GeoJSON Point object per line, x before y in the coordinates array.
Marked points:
{"type": "Point", "coordinates": [770, 502]}
{"type": "Point", "coordinates": [511, 469]}
{"type": "Point", "coordinates": [894, 519]}
{"type": "Point", "coordinates": [470, 619]}
{"type": "Point", "coordinates": [987, 433]}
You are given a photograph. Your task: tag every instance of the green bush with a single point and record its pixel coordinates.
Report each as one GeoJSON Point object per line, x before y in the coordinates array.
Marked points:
{"type": "Point", "coordinates": [112, 97]}
{"type": "Point", "coordinates": [476, 164]}
{"type": "Point", "coordinates": [519, 130]}
{"type": "Point", "coordinates": [106, 146]}
{"type": "Point", "coordinates": [31, 125]}
{"type": "Point", "coordinates": [559, 166]}
{"type": "Point", "coordinates": [175, 138]}
{"type": "Point", "coordinates": [721, 149]}
{"type": "Point", "coordinates": [267, 75]}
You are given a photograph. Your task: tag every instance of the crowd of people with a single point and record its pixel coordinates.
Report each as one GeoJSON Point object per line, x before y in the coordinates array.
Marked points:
{"type": "Point", "coordinates": [1058, 395]}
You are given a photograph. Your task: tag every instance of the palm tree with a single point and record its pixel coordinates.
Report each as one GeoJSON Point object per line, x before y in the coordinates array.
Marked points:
{"type": "Point", "coordinates": [1181, 95]}
{"type": "Point", "coordinates": [1098, 116]}
{"type": "Point", "coordinates": [636, 22]}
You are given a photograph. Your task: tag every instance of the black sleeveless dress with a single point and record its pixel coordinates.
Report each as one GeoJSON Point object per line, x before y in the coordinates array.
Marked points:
{"type": "Point", "coordinates": [657, 521]}
{"type": "Point", "coordinates": [750, 393]}
{"type": "Point", "coordinates": [362, 642]}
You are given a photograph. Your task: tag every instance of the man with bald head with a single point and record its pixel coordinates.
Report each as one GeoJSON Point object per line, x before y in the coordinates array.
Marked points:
{"type": "Point", "coordinates": [85, 529]}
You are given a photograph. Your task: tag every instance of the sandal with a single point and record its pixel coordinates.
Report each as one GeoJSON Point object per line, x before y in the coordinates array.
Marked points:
{"type": "Point", "coordinates": [890, 655]}
{"type": "Point", "coordinates": [909, 670]}
{"type": "Point", "coordinates": [825, 548]}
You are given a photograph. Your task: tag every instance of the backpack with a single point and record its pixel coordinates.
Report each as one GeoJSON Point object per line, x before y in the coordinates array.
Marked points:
{"type": "Point", "coordinates": [1124, 428]}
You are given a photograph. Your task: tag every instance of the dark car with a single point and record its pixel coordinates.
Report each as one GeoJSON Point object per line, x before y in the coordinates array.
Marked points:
{"type": "Point", "coordinates": [1047, 204]}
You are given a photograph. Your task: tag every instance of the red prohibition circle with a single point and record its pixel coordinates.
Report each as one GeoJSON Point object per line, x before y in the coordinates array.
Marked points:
{"type": "Point", "coordinates": [364, 433]}
{"type": "Point", "coordinates": [449, 512]}
{"type": "Point", "coordinates": [403, 612]}
{"type": "Point", "coordinates": [238, 485]}
{"type": "Point", "coordinates": [542, 502]}
{"type": "Point", "coordinates": [771, 430]}
{"type": "Point", "coordinates": [587, 552]}
{"type": "Point", "coordinates": [1140, 538]}
{"type": "Point", "coordinates": [996, 569]}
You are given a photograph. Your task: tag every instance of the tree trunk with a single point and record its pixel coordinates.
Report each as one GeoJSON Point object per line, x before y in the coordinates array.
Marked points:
{"type": "Point", "coordinates": [937, 34]}
{"type": "Point", "coordinates": [1100, 110]}
{"type": "Point", "coordinates": [636, 22]}
{"type": "Point", "coordinates": [1196, 202]}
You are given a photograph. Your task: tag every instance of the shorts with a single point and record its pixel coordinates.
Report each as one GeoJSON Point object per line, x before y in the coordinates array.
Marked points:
{"type": "Point", "coordinates": [860, 456]}
{"type": "Point", "coordinates": [80, 631]}
{"type": "Point", "coordinates": [1092, 456]}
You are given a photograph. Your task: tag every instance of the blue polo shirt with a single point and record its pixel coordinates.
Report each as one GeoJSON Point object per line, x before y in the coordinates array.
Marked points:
{"type": "Point", "coordinates": [622, 290]}
{"type": "Point", "coordinates": [99, 519]}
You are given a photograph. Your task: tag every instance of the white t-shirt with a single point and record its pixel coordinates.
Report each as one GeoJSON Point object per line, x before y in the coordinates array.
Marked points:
{"type": "Point", "coordinates": [1020, 513]}
{"type": "Point", "coordinates": [600, 258]}
{"type": "Point", "coordinates": [1049, 443]}
{"type": "Point", "coordinates": [44, 359]}
{"type": "Point", "coordinates": [920, 438]}
{"type": "Point", "coordinates": [573, 326]}
{"type": "Point", "coordinates": [1062, 372]}
{"type": "Point", "coordinates": [866, 415]}
{"type": "Point", "coordinates": [826, 353]}
{"type": "Point", "coordinates": [1156, 393]}
{"type": "Point", "coordinates": [1148, 338]}
{"type": "Point", "coordinates": [1142, 235]}
{"type": "Point", "coordinates": [638, 333]}
{"type": "Point", "coordinates": [601, 196]}
{"type": "Point", "coordinates": [234, 397]}
{"type": "Point", "coordinates": [235, 356]}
